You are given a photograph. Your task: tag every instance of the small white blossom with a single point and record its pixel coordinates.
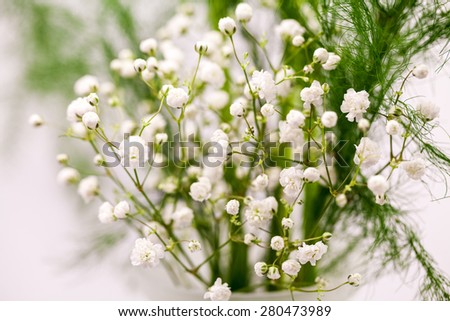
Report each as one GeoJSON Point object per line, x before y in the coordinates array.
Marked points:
{"type": "Point", "coordinates": [62, 158]}
{"type": "Point", "coordinates": [218, 292]}
{"type": "Point", "coordinates": [420, 71]}
{"type": "Point", "coordinates": [414, 168]}
{"type": "Point", "coordinates": [368, 153]}
{"type": "Point", "coordinates": [77, 108]}
{"type": "Point", "coordinates": [295, 118]}
{"type": "Point", "coordinates": [68, 175]}
{"type": "Point", "coordinates": [35, 120]}
{"type": "Point", "coordinates": [363, 125]}
{"type": "Point", "coordinates": [237, 109]}
{"type": "Point", "coordinates": [201, 47]}
{"type": "Point", "coordinates": [177, 97]}
{"type": "Point", "coordinates": [232, 207]}
{"type": "Point", "coordinates": [182, 218]}
{"type": "Point", "coordinates": [428, 110]}
{"type": "Point", "coordinates": [148, 46]}
{"type": "Point", "coordinates": [289, 28]}
{"type": "Point", "coordinates": [98, 160]}
{"type": "Point", "coordinates": [298, 40]}
{"type": "Point", "coordinates": [312, 95]}
{"type": "Point", "coordinates": [289, 134]}
{"type": "Point", "coordinates": [244, 12]}
{"type": "Point", "coordinates": [267, 110]}
{"type": "Point", "coordinates": [152, 64]}
{"type": "Point", "coordinates": [291, 180]}
{"type": "Point", "coordinates": [262, 83]}
{"type": "Point", "coordinates": [140, 65]}
{"type": "Point", "coordinates": [261, 181]}
{"type": "Point", "coordinates": [86, 85]}
{"type": "Point", "coordinates": [260, 268]}
{"type": "Point", "coordinates": [273, 273]}
{"type": "Point", "coordinates": [291, 267]}
{"type": "Point", "coordinates": [194, 246]}
{"type": "Point", "coordinates": [329, 119]}
{"type": "Point", "coordinates": [311, 174]}
{"type": "Point", "coordinates": [88, 188]}
{"type": "Point", "coordinates": [146, 253]}
{"type": "Point", "coordinates": [341, 200]}
{"type": "Point", "coordinates": [106, 213]}
{"type": "Point", "coordinates": [332, 61]}
{"type": "Point", "coordinates": [134, 152]}
{"type": "Point", "coordinates": [321, 55]}
{"type": "Point", "coordinates": [249, 238]}
{"type": "Point", "coordinates": [201, 190]}
{"type": "Point", "coordinates": [78, 130]}
{"type": "Point", "coordinates": [354, 279]}
{"type": "Point", "coordinates": [93, 99]}
{"type": "Point", "coordinates": [227, 26]}
{"type": "Point", "coordinates": [277, 243]}
{"type": "Point", "coordinates": [355, 104]}
{"type": "Point", "coordinates": [287, 223]}
{"type": "Point", "coordinates": [311, 253]}
{"type": "Point", "coordinates": [260, 212]}
{"type": "Point", "coordinates": [378, 185]}
{"type": "Point", "coordinates": [91, 120]}
{"type": "Point", "coordinates": [393, 128]}
{"type": "Point", "coordinates": [122, 209]}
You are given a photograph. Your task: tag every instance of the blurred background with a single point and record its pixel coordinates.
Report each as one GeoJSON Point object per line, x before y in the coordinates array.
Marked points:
{"type": "Point", "coordinates": [45, 231]}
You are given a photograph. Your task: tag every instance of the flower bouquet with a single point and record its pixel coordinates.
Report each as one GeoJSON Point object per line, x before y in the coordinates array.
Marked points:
{"type": "Point", "coordinates": [258, 156]}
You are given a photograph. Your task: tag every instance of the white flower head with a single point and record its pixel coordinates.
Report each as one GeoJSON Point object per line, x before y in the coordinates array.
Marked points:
{"type": "Point", "coordinates": [428, 110]}
{"type": "Point", "coordinates": [267, 110]}
{"type": "Point", "coordinates": [218, 292]}
{"type": "Point", "coordinates": [62, 159]}
{"type": "Point", "coordinates": [378, 185]}
{"type": "Point", "coordinates": [201, 190]}
{"type": "Point", "coordinates": [88, 188]}
{"type": "Point", "coordinates": [194, 246]}
{"type": "Point", "coordinates": [77, 108]}
{"type": "Point", "coordinates": [312, 95]}
{"type": "Point", "coordinates": [414, 168]}
{"type": "Point", "coordinates": [354, 279]}
{"type": "Point", "coordinates": [298, 40]}
{"type": "Point", "coordinates": [140, 65]}
{"type": "Point", "coordinates": [249, 238]}
{"type": "Point", "coordinates": [122, 209]}
{"type": "Point", "coordinates": [177, 97]}
{"type": "Point", "coordinates": [91, 120]}
{"type": "Point", "coordinates": [287, 223]}
{"type": "Point", "coordinates": [341, 200]}
{"type": "Point", "coordinates": [201, 47]}
{"type": "Point", "coordinates": [277, 243]}
{"type": "Point", "coordinates": [182, 218]}
{"type": "Point", "coordinates": [244, 12]}
{"type": "Point", "coordinates": [260, 268]}
{"type": "Point", "coordinates": [237, 109]}
{"type": "Point", "coordinates": [311, 174]}
{"type": "Point", "coordinates": [368, 153]}
{"type": "Point", "coordinates": [363, 124]}
{"type": "Point", "coordinates": [273, 273]}
{"type": "Point", "coordinates": [332, 62]}
{"type": "Point", "coordinates": [35, 120]}
{"type": "Point", "coordinates": [260, 212]}
{"type": "Point", "coordinates": [289, 28]}
{"type": "Point", "coordinates": [149, 46]}
{"type": "Point", "coordinates": [134, 152]}
{"type": "Point", "coordinates": [291, 267]}
{"type": "Point", "coordinates": [261, 181]}
{"type": "Point", "coordinates": [291, 179]}
{"type": "Point", "coordinates": [420, 71]}
{"type": "Point", "coordinates": [232, 207]}
{"type": "Point", "coordinates": [394, 128]}
{"type": "Point", "coordinates": [295, 118]}
{"type": "Point", "coordinates": [146, 253]}
{"type": "Point", "coordinates": [106, 213]}
{"type": "Point", "coordinates": [86, 85]}
{"type": "Point", "coordinates": [311, 253]}
{"type": "Point", "coordinates": [227, 26]}
{"type": "Point", "coordinates": [321, 55]}
{"type": "Point", "coordinates": [329, 119]}
{"type": "Point", "coordinates": [68, 175]}
{"type": "Point", "coordinates": [263, 84]}
{"type": "Point", "coordinates": [355, 104]}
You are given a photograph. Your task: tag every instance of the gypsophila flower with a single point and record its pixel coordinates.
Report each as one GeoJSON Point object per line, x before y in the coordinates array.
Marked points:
{"type": "Point", "coordinates": [414, 168]}
{"type": "Point", "coordinates": [261, 181]}
{"type": "Point", "coordinates": [295, 118]}
{"type": "Point", "coordinates": [329, 119]}
{"type": "Point", "coordinates": [98, 160]}
{"type": "Point", "coordinates": [249, 238]}
{"type": "Point", "coordinates": [63, 159]}
{"type": "Point", "coordinates": [287, 223]}
{"type": "Point", "coordinates": [177, 97]}
{"type": "Point", "coordinates": [354, 279]}
{"type": "Point", "coordinates": [194, 246]}
{"type": "Point", "coordinates": [182, 218]}
{"type": "Point", "coordinates": [312, 95]}
{"type": "Point", "coordinates": [363, 125]}
{"type": "Point", "coordinates": [218, 292]}
{"type": "Point", "coordinates": [35, 120]}
{"type": "Point", "coordinates": [378, 185]}
{"type": "Point", "coordinates": [244, 12]}
{"type": "Point", "coordinates": [367, 153]}
{"type": "Point", "coordinates": [122, 209]}
{"type": "Point", "coordinates": [320, 55]}
{"type": "Point", "coordinates": [77, 108]}
{"type": "Point", "coordinates": [341, 200]}
{"type": "Point", "coordinates": [260, 212]}
{"type": "Point", "coordinates": [148, 46]}
{"type": "Point", "coordinates": [146, 253]}
{"type": "Point", "coordinates": [393, 127]}
{"type": "Point", "coordinates": [152, 64]}
{"type": "Point", "coordinates": [277, 243]}
{"type": "Point", "coordinates": [332, 61]}
{"type": "Point", "coordinates": [86, 85]}
{"type": "Point", "coordinates": [201, 47]}
{"type": "Point", "coordinates": [91, 120]}
{"type": "Point", "coordinates": [355, 104]}
{"type": "Point", "coordinates": [420, 71]}
{"type": "Point", "coordinates": [428, 110]}
{"type": "Point", "coordinates": [227, 26]}
{"type": "Point", "coordinates": [273, 273]}
{"type": "Point", "coordinates": [260, 268]}
{"type": "Point", "coordinates": [68, 175]}
{"type": "Point", "coordinates": [291, 267]}
{"type": "Point", "coordinates": [291, 180]}
{"type": "Point", "coordinates": [298, 40]}
{"type": "Point", "coordinates": [263, 84]}
{"type": "Point", "coordinates": [232, 207]}
{"type": "Point", "coordinates": [133, 152]}
{"type": "Point", "coordinates": [201, 190]}
{"type": "Point", "coordinates": [93, 99]}
{"type": "Point", "coordinates": [289, 134]}
{"type": "Point", "coordinates": [88, 188]}
{"type": "Point", "coordinates": [311, 253]}
{"type": "Point", "coordinates": [237, 109]}
{"type": "Point", "coordinates": [140, 65]}
{"type": "Point", "coordinates": [289, 28]}
{"type": "Point", "coordinates": [267, 110]}
{"type": "Point", "coordinates": [311, 175]}
{"type": "Point", "coordinates": [106, 213]}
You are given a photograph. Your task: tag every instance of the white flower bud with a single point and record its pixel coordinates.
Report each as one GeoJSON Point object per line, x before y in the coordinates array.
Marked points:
{"type": "Point", "coordinates": [267, 110]}
{"type": "Point", "coordinates": [414, 168]}
{"type": "Point", "coordinates": [201, 47]}
{"type": "Point", "coordinates": [232, 207]}
{"type": "Point", "coordinates": [148, 46]}
{"type": "Point", "coordinates": [201, 190]}
{"type": "Point", "coordinates": [227, 26]}
{"type": "Point", "coordinates": [140, 65]}
{"type": "Point", "coordinates": [86, 85]}
{"type": "Point", "coordinates": [298, 40]}
{"type": "Point", "coordinates": [393, 127]}
{"type": "Point", "coordinates": [35, 120]}
{"type": "Point", "coordinates": [320, 55]}
{"type": "Point", "coordinates": [91, 120]}
{"type": "Point", "coordinates": [260, 268]}
{"type": "Point", "coordinates": [354, 279]}
{"type": "Point", "coordinates": [273, 273]}
{"type": "Point", "coordinates": [92, 99]}
{"type": "Point", "coordinates": [291, 267]}
{"type": "Point", "coordinates": [332, 61]}
{"type": "Point", "coordinates": [287, 223]}
{"type": "Point", "coordinates": [194, 246]}
{"type": "Point", "coordinates": [68, 175]}
{"type": "Point", "coordinates": [122, 209]}
{"type": "Point", "coordinates": [311, 175]}
{"type": "Point", "coordinates": [105, 213]}
{"type": "Point", "coordinates": [161, 138]}
{"type": "Point", "coordinates": [363, 124]}
{"type": "Point", "coordinates": [63, 159]}
{"type": "Point", "coordinates": [78, 130]}
{"type": "Point", "coordinates": [177, 97]}
{"type": "Point", "coordinates": [378, 185]}
{"type": "Point", "coordinates": [428, 110]}
{"type": "Point", "coordinates": [277, 243]}
{"type": "Point", "coordinates": [88, 188]}
{"type": "Point", "coordinates": [98, 160]}
{"type": "Point", "coordinates": [295, 119]}
{"type": "Point", "coordinates": [152, 64]}
{"type": "Point", "coordinates": [244, 12]}
{"type": "Point", "coordinates": [329, 119]}
{"type": "Point", "coordinates": [420, 71]}
{"type": "Point", "coordinates": [341, 200]}
{"type": "Point", "coordinates": [237, 109]}
{"type": "Point", "coordinates": [261, 181]}
{"type": "Point", "coordinates": [249, 238]}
